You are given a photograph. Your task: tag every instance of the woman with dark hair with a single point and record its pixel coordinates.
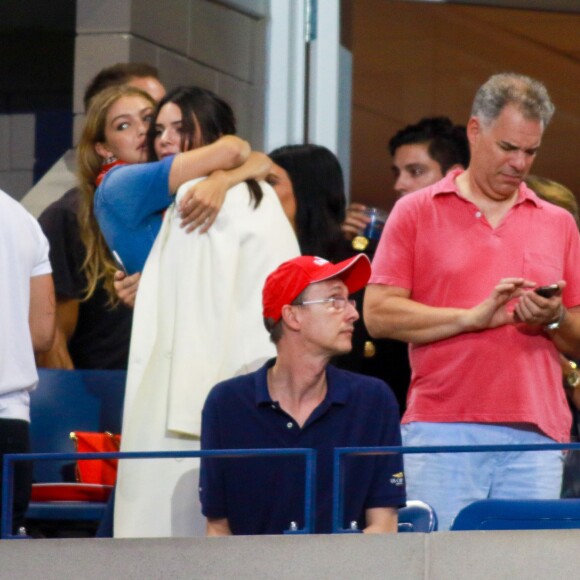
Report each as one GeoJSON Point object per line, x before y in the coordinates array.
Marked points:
{"type": "Point", "coordinates": [197, 318]}
{"type": "Point", "coordinates": [310, 184]}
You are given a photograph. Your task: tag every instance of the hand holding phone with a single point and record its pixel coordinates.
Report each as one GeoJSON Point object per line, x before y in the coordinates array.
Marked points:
{"type": "Point", "coordinates": [119, 262]}
{"type": "Point", "coordinates": [547, 291]}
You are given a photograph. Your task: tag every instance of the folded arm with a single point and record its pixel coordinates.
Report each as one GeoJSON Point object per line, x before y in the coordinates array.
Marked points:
{"type": "Point", "coordinates": [227, 152]}
{"type": "Point", "coordinates": [389, 312]}
{"type": "Point", "coordinates": [202, 202]}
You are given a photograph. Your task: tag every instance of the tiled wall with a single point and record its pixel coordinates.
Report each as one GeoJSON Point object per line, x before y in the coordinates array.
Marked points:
{"type": "Point", "coordinates": [219, 46]}
{"type": "Point", "coordinates": [17, 136]}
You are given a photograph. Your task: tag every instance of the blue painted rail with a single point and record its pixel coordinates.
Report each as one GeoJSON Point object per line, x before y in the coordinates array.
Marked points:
{"type": "Point", "coordinates": [11, 459]}
{"type": "Point", "coordinates": [340, 452]}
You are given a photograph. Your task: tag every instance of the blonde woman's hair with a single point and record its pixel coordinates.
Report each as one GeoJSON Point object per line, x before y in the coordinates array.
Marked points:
{"type": "Point", "coordinates": [99, 265]}
{"type": "Point", "coordinates": [554, 192]}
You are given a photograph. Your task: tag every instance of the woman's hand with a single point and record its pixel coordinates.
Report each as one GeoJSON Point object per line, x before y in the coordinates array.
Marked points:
{"type": "Point", "coordinates": [202, 202]}
{"type": "Point", "coordinates": [126, 287]}
{"type": "Point", "coordinates": [355, 221]}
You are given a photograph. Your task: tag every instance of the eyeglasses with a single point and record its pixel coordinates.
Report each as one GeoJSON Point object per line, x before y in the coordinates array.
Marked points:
{"type": "Point", "coordinates": [338, 303]}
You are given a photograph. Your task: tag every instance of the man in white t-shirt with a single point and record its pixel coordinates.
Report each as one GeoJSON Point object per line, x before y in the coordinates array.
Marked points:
{"type": "Point", "coordinates": [27, 310]}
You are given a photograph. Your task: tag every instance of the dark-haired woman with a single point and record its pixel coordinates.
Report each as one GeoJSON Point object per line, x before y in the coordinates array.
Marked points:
{"type": "Point", "coordinates": [310, 184]}
{"type": "Point", "coordinates": [197, 316]}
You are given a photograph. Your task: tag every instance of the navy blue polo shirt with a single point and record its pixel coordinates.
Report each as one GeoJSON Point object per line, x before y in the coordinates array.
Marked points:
{"type": "Point", "coordinates": [263, 495]}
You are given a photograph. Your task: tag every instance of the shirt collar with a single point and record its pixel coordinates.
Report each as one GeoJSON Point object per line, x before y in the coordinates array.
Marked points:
{"type": "Point", "coordinates": [337, 393]}
{"type": "Point", "coordinates": [448, 185]}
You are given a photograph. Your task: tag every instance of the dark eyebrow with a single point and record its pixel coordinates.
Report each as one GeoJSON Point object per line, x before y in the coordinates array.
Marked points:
{"type": "Point", "coordinates": [512, 147]}
{"type": "Point", "coordinates": [507, 145]}
{"type": "Point", "coordinates": [172, 124]}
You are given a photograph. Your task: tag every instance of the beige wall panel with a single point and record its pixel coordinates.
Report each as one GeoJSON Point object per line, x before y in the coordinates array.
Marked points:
{"type": "Point", "coordinates": [92, 53]}
{"type": "Point", "coordinates": [22, 141]}
{"type": "Point", "coordinates": [103, 16]}
{"type": "Point", "coordinates": [177, 70]}
{"type": "Point", "coordinates": [413, 60]}
{"type": "Point", "coordinates": [222, 38]}
{"type": "Point", "coordinates": [141, 50]}
{"type": "Point", "coordinates": [165, 23]}
{"type": "Point", "coordinates": [242, 99]}
{"type": "Point", "coordinates": [16, 182]}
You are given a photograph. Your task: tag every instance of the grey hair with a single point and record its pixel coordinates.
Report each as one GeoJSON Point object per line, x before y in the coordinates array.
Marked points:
{"type": "Point", "coordinates": [529, 96]}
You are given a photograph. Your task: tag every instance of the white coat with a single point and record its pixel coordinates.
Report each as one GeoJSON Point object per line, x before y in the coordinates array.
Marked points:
{"type": "Point", "coordinates": [197, 321]}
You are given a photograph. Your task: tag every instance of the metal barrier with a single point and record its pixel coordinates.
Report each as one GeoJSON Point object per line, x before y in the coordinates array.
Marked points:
{"type": "Point", "coordinates": [310, 474]}
{"type": "Point", "coordinates": [340, 452]}
{"type": "Point", "coordinates": [10, 459]}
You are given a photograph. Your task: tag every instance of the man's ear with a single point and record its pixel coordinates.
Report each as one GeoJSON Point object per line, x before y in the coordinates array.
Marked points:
{"type": "Point", "coordinates": [474, 128]}
{"type": "Point", "coordinates": [289, 317]}
{"type": "Point", "coordinates": [103, 151]}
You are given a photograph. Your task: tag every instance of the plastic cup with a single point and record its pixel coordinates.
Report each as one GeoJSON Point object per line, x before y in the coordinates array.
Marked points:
{"type": "Point", "coordinates": [374, 228]}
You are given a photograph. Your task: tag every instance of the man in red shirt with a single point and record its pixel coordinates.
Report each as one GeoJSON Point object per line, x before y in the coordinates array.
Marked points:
{"type": "Point", "coordinates": [454, 276]}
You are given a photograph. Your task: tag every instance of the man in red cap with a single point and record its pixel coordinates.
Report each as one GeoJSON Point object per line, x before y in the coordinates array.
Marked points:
{"type": "Point", "coordinates": [298, 400]}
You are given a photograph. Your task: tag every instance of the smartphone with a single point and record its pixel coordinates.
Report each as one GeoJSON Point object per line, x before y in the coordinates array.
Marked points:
{"type": "Point", "coordinates": [119, 262]}
{"type": "Point", "coordinates": [547, 291]}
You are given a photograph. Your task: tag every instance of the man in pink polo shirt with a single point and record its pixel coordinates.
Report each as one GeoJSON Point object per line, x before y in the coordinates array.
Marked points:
{"type": "Point", "coordinates": [454, 275]}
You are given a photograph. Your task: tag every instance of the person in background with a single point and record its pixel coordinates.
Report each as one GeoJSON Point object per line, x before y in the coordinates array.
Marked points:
{"type": "Point", "coordinates": [27, 315]}
{"type": "Point", "coordinates": [422, 154]}
{"type": "Point", "coordinates": [454, 275]}
{"type": "Point", "coordinates": [561, 196]}
{"type": "Point", "coordinates": [135, 74]}
{"type": "Point", "coordinates": [555, 193]}
{"type": "Point", "coordinates": [197, 313]}
{"type": "Point", "coordinates": [92, 332]}
{"type": "Point", "coordinates": [299, 400]}
{"type": "Point", "coordinates": [309, 182]}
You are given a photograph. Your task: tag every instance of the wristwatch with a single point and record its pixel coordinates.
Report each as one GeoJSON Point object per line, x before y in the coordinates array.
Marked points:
{"type": "Point", "coordinates": [573, 377]}
{"type": "Point", "coordinates": [556, 323]}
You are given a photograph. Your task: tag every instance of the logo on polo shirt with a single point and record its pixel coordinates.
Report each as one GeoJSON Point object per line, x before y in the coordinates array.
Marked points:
{"type": "Point", "coordinates": [398, 479]}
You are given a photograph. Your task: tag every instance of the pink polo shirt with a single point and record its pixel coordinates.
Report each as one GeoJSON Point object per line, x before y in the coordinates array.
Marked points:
{"type": "Point", "coordinates": [440, 247]}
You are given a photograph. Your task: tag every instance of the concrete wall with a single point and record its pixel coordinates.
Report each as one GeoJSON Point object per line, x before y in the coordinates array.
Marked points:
{"type": "Point", "coordinates": [17, 137]}
{"type": "Point", "coordinates": [217, 45]}
{"type": "Point", "coordinates": [440, 556]}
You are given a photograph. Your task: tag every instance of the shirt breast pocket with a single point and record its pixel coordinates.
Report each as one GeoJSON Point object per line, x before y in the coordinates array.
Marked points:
{"type": "Point", "coordinates": [542, 268]}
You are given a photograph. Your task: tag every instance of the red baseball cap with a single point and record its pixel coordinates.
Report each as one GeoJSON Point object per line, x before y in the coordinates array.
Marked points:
{"type": "Point", "coordinates": [285, 283]}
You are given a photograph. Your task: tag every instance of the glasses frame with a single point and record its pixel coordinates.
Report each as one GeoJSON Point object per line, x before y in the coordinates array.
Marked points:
{"type": "Point", "coordinates": [332, 300]}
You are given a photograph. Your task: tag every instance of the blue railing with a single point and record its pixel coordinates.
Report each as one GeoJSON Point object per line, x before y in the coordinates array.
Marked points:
{"type": "Point", "coordinates": [11, 459]}
{"type": "Point", "coordinates": [340, 452]}
{"type": "Point", "coordinates": [310, 473]}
